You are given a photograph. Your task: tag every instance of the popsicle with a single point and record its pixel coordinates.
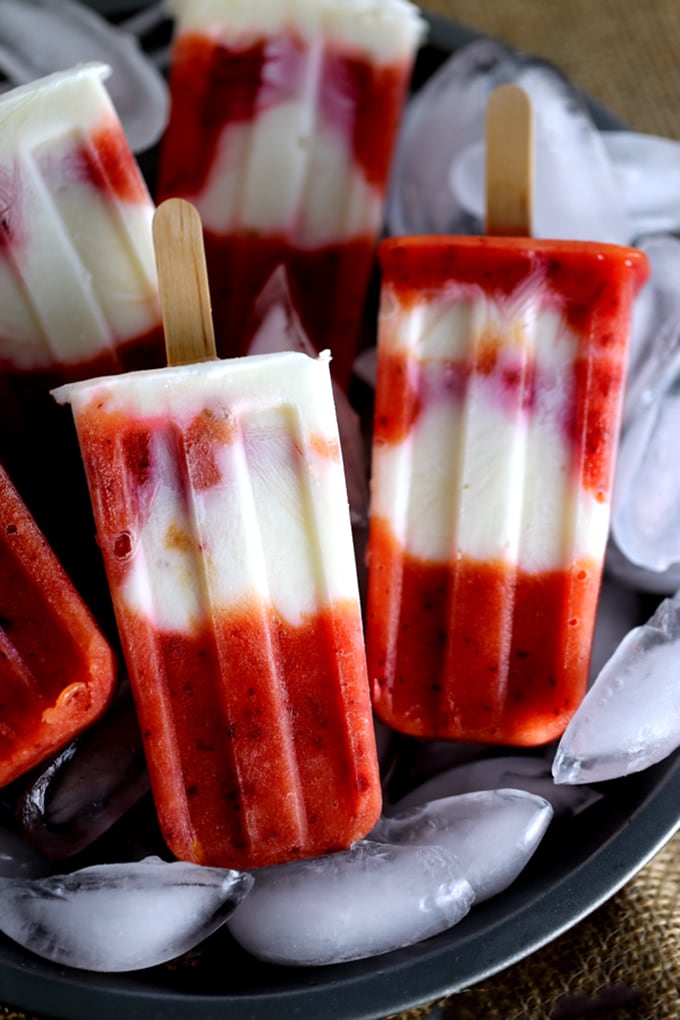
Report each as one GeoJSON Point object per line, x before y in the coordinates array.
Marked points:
{"type": "Point", "coordinates": [57, 672]}
{"type": "Point", "coordinates": [222, 516]}
{"type": "Point", "coordinates": [283, 121]}
{"type": "Point", "coordinates": [501, 364]}
{"type": "Point", "coordinates": [78, 286]}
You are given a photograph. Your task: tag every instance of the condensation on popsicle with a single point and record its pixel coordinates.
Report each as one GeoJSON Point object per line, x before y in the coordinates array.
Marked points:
{"type": "Point", "coordinates": [501, 363]}
{"type": "Point", "coordinates": [283, 122]}
{"type": "Point", "coordinates": [57, 672]}
{"type": "Point", "coordinates": [222, 516]}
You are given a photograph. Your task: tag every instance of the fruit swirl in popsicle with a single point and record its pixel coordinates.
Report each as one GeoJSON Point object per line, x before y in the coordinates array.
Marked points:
{"type": "Point", "coordinates": [78, 287]}
{"type": "Point", "coordinates": [222, 516]}
{"type": "Point", "coordinates": [501, 364]}
{"type": "Point", "coordinates": [283, 122]}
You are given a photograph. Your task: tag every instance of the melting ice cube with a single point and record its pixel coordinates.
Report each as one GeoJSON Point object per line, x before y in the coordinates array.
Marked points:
{"type": "Point", "coordinates": [369, 900]}
{"type": "Point", "coordinates": [119, 917]}
{"type": "Point", "coordinates": [630, 718]}
{"type": "Point", "coordinates": [492, 834]}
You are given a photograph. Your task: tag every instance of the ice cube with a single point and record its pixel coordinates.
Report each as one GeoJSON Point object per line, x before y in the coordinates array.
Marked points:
{"type": "Point", "coordinates": [347, 906]}
{"type": "Point", "coordinates": [120, 917]}
{"type": "Point", "coordinates": [619, 610]}
{"type": "Point", "coordinates": [518, 772]}
{"type": "Point", "coordinates": [658, 582]}
{"type": "Point", "coordinates": [41, 36]}
{"type": "Point", "coordinates": [630, 717]}
{"type": "Point", "coordinates": [646, 503]}
{"type": "Point", "coordinates": [438, 180]}
{"type": "Point", "coordinates": [648, 169]}
{"type": "Point", "coordinates": [492, 834]}
{"type": "Point", "coordinates": [655, 336]}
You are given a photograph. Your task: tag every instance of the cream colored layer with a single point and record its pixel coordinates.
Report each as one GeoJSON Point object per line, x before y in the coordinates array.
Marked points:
{"type": "Point", "coordinates": [77, 271]}
{"type": "Point", "coordinates": [387, 30]}
{"type": "Point", "coordinates": [449, 325]}
{"type": "Point", "coordinates": [488, 491]}
{"type": "Point", "coordinates": [273, 528]}
{"type": "Point", "coordinates": [479, 477]}
{"type": "Point", "coordinates": [320, 196]}
{"type": "Point", "coordinates": [50, 107]}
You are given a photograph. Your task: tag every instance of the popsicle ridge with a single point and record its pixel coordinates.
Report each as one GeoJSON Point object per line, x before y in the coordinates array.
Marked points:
{"type": "Point", "coordinates": [290, 111]}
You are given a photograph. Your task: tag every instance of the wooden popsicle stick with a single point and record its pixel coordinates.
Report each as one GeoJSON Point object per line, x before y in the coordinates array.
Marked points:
{"type": "Point", "coordinates": [183, 283]}
{"type": "Point", "coordinates": [509, 162]}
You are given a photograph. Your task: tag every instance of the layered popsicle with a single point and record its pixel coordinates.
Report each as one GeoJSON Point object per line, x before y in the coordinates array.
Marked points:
{"type": "Point", "coordinates": [78, 287]}
{"type": "Point", "coordinates": [222, 516]}
{"type": "Point", "coordinates": [283, 122]}
{"type": "Point", "coordinates": [57, 672]}
{"type": "Point", "coordinates": [501, 363]}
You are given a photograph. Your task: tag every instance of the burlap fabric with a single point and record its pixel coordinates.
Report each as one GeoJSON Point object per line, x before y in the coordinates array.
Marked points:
{"type": "Point", "coordinates": [623, 962]}
{"type": "Point", "coordinates": [625, 53]}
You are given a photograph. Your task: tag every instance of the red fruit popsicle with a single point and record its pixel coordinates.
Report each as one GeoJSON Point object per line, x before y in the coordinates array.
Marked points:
{"type": "Point", "coordinates": [78, 286]}
{"type": "Point", "coordinates": [501, 365]}
{"type": "Point", "coordinates": [222, 515]}
{"type": "Point", "coordinates": [283, 120]}
{"type": "Point", "coordinates": [57, 672]}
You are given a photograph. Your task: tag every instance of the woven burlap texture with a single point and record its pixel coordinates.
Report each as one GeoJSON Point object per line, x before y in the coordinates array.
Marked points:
{"type": "Point", "coordinates": [624, 53]}
{"type": "Point", "coordinates": [622, 963]}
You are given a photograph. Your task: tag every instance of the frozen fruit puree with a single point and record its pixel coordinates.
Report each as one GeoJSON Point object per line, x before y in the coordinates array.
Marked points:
{"type": "Point", "coordinates": [501, 364]}
{"type": "Point", "coordinates": [222, 516]}
{"type": "Point", "coordinates": [57, 672]}
{"type": "Point", "coordinates": [283, 121]}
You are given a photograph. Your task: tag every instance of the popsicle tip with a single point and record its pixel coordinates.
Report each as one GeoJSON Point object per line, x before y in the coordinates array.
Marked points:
{"type": "Point", "coordinates": [509, 162]}
{"type": "Point", "coordinates": [183, 283]}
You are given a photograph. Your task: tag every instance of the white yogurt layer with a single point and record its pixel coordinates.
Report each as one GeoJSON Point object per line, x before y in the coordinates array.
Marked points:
{"type": "Point", "coordinates": [77, 268]}
{"type": "Point", "coordinates": [483, 476]}
{"type": "Point", "coordinates": [321, 196]}
{"type": "Point", "coordinates": [273, 527]}
{"type": "Point", "coordinates": [385, 30]}
{"type": "Point", "coordinates": [291, 168]}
